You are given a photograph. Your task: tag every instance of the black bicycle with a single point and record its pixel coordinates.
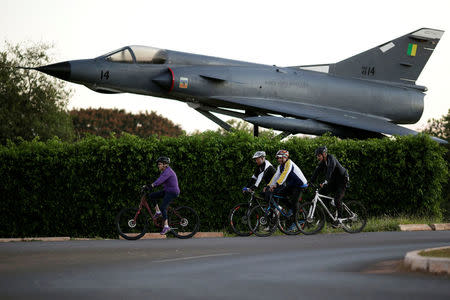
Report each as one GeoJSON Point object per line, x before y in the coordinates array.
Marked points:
{"type": "Point", "coordinates": [263, 220]}
{"type": "Point", "coordinates": [238, 216]}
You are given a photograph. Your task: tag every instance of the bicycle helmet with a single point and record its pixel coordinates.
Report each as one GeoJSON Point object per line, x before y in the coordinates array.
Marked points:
{"type": "Point", "coordinates": [163, 159]}
{"type": "Point", "coordinates": [321, 150]}
{"type": "Point", "coordinates": [282, 153]}
{"type": "Point", "coordinates": [259, 154]}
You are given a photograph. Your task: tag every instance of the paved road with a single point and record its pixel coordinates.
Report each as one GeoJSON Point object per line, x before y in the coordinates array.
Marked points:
{"type": "Point", "coordinates": [325, 266]}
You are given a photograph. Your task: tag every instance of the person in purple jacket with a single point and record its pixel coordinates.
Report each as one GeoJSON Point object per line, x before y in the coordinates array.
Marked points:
{"type": "Point", "coordinates": [169, 180]}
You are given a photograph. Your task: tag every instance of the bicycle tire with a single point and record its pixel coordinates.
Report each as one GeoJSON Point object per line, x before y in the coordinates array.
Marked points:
{"type": "Point", "coordinates": [354, 217]}
{"type": "Point", "coordinates": [262, 224]}
{"type": "Point", "coordinates": [238, 218]}
{"type": "Point", "coordinates": [312, 225]}
{"type": "Point", "coordinates": [127, 228]}
{"type": "Point", "coordinates": [183, 221]}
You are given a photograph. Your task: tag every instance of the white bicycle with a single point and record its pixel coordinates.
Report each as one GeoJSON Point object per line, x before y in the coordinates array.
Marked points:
{"type": "Point", "coordinates": [310, 217]}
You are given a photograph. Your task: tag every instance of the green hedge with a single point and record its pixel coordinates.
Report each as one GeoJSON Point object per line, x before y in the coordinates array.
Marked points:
{"type": "Point", "coordinates": [76, 189]}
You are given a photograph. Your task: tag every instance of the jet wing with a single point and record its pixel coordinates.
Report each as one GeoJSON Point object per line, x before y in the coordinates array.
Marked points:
{"type": "Point", "coordinates": [323, 114]}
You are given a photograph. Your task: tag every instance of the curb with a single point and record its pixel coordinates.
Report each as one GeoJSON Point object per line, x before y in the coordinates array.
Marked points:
{"type": "Point", "coordinates": [424, 227]}
{"type": "Point", "coordinates": [40, 239]}
{"type": "Point", "coordinates": [415, 227]}
{"type": "Point", "coordinates": [208, 235]}
{"type": "Point", "coordinates": [437, 265]}
{"type": "Point", "coordinates": [147, 236]}
{"type": "Point", "coordinates": [157, 236]}
{"type": "Point", "coordinates": [444, 226]}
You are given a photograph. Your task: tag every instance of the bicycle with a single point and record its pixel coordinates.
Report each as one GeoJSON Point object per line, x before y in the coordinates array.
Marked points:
{"type": "Point", "coordinates": [312, 216]}
{"type": "Point", "coordinates": [263, 220]}
{"type": "Point", "coordinates": [238, 215]}
{"type": "Point", "coordinates": [132, 222]}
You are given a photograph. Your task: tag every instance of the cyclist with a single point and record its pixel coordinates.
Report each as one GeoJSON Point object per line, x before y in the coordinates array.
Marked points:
{"type": "Point", "coordinates": [288, 181]}
{"type": "Point", "coordinates": [336, 177]}
{"type": "Point", "coordinates": [264, 171]}
{"type": "Point", "coordinates": [169, 180]}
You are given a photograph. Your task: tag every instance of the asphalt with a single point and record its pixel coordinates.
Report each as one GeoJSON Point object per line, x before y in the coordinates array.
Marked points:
{"type": "Point", "coordinates": [323, 266]}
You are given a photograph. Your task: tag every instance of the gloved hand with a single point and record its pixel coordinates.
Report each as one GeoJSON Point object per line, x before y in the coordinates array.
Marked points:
{"type": "Point", "coordinates": [146, 188]}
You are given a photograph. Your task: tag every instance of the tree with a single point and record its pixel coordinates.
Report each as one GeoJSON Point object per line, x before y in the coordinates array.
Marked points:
{"type": "Point", "coordinates": [439, 127]}
{"type": "Point", "coordinates": [31, 104]}
{"type": "Point", "coordinates": [103, 122]}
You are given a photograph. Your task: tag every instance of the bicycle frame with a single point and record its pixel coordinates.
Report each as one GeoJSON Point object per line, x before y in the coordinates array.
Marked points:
{"type": "Point", "coordinates": [318, 198]}
{"type": "Point", "coordinates": [143, 204]}
{"type": "Point", "coordinates": [253, 197]}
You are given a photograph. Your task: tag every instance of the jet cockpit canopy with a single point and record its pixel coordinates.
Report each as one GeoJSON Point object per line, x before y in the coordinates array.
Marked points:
{"type": "Point", "coordinates": [137, 54]}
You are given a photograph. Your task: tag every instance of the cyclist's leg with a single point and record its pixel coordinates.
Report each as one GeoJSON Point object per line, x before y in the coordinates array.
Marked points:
{"type": "Point", "coordinates": [338, 196]}
{"type": "Point", "coordinates": [168, 198]}
{"type": "Point", "coordinates": [153, 197]}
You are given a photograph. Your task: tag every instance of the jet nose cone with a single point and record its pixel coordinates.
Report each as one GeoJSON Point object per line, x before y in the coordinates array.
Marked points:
{"type": "Point", "coordinates": [60, 70]}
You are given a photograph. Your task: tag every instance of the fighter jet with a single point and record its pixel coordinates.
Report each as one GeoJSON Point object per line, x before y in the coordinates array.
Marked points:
{"type": "Point", "coordinates": [363, 96]}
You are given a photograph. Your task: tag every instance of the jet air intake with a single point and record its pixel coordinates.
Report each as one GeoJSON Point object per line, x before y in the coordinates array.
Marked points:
{"type": "Point", "coordinates": [165, 80]}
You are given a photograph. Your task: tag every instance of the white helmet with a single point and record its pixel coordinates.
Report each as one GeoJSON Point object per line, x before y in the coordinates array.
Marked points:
{"type": "Point", "coordinates": [259, 154]}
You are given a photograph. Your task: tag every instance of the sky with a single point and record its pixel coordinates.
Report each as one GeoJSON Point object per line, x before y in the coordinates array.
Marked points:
{"type": "Point", "coordinates": [282, 33]}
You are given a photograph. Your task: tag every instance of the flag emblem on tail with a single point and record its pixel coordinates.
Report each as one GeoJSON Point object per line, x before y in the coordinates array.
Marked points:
{"type": "Point", "coordinates": [412, 49]}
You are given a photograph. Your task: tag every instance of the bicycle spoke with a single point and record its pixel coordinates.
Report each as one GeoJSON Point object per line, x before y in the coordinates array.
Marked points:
{"type": "Point", "coordinates": [310, 220]}
{"type": "Point", "coordinates": [262, 221]}
{"type": "Point", "coordinates": [130, 224]}
{"type": "Point", "coordinates": [183, 221]}
{"type": "Point", "coordinates": [354, 217]}
{"type": "Point", "coordinates": [239, 219]}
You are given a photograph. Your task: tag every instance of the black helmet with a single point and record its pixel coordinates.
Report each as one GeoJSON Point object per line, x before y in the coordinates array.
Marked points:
{"type": "Point", "coordinates": [163, 159]}
{"type": "Point", "coordinates": [321, 150]}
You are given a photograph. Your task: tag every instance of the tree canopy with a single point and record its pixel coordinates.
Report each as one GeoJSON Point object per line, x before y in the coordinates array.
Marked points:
{"type": "Point", "coordinates": [31, 104]}
{"type": "Point", "coordinates": [103, 122]}
{"type": "Point", "coordinates": [439, 127]}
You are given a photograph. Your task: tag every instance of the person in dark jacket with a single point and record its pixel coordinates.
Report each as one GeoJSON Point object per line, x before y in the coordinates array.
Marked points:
{"type": "Point", "coordinates": [264, 171]}
{"type": "Point", "coordinates": [336, 176]}
{"type": "Point", "coordinates": [169, 180]}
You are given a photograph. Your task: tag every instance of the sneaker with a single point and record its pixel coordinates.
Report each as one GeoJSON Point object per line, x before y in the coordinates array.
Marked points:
{"type": "Point", "coordinates": [293, 227]}
{"type": "Point", "coordinates": [157, 215]}
{"type": "Point", "coordinates": [165, 230]}
{"type": "Point", "coordinates": [336, 224]}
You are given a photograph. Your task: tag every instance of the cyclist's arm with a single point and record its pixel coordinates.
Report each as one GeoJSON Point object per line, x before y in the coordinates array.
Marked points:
{"type": "Point", "coordinates": [286, 171]}
{"type": "Point", "coordinates": [330, 168]}
{"type": "Point", "coordinates": [162, 178]}
{"type": "Point", "coordinates": [316, 172]}
{"type": "Point", "coordinates": [275, 177]}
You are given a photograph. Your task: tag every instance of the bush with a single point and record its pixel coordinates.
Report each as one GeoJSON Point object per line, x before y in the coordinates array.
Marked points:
{"type": "Point", "coordinates": [76, 189]}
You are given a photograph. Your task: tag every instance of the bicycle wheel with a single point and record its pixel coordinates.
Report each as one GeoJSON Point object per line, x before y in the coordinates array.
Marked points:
{"type": "Point", "coordinates": [127, 227]}
{"type": "Point", "coordinates": [354, 217]}
{"type": "Point", "coordinates": [183, 221]}
{"type": "Point", "coordinates": [239, 219]}
{"type": "Point", "coordinates": [310, 223]}
{"type": "Point", "coordinates": [261, 221]}
{"type": "Point", "coordinates": [288, 225]}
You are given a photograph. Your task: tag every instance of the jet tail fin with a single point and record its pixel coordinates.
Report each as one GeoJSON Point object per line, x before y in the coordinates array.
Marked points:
{"type": "Point", "coordinates": [400, 60]}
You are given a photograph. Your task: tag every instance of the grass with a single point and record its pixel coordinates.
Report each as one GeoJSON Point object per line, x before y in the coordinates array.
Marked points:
{"type": "Point", "coordinates": [436, 253]}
